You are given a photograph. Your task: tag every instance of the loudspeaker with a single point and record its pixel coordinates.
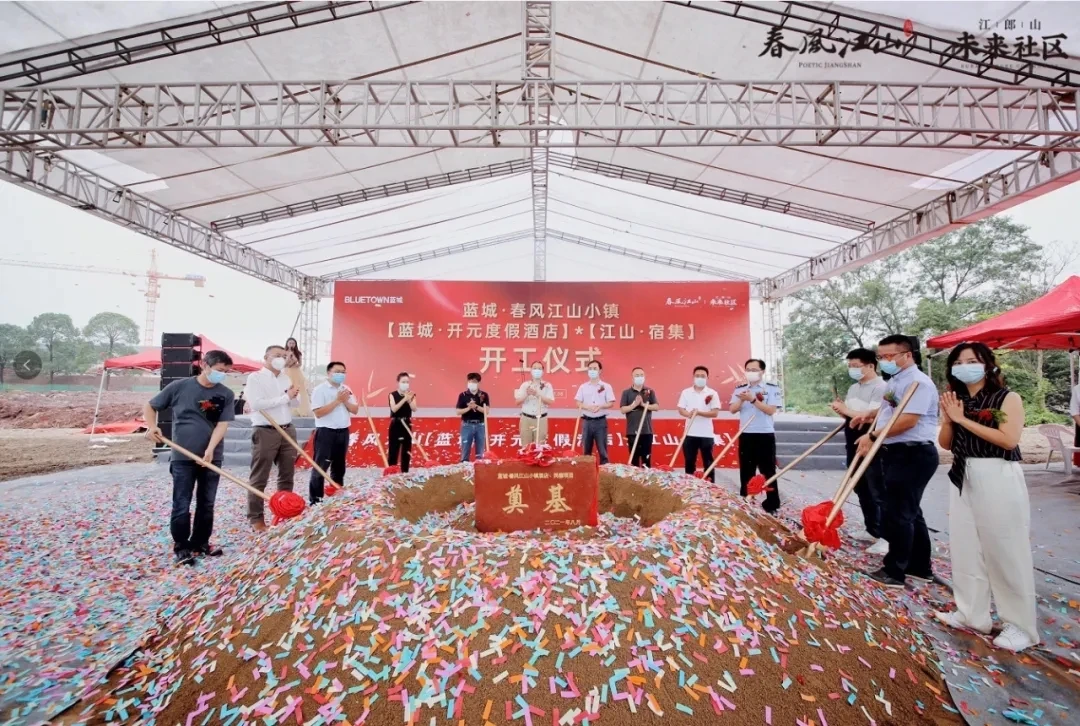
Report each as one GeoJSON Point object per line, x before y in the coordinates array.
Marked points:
{"type": "Point", "coordinates": [180, 340]}
{"type": "Point", "coordinates": [173, 371]}
{"type": "Point", "coordinates": [179, 355]}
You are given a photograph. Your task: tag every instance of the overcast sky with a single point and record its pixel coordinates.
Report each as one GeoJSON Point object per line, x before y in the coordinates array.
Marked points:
{"type": "Point", "coordinates": [244, 314]}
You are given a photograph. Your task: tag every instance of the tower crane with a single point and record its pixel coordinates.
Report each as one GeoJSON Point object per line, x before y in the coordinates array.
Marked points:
{"type": "Point", "coordinates": [152, 276]}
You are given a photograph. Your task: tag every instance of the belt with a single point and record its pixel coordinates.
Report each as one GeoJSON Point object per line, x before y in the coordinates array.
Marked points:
{"type": "Point", "coordinates": [529, 415]}
{"type": "Point", "coordinates": [908, 444]}
{"type": "Point", "coordinates": [268, 426]}
{"type": "Point", "coordinates": [465, 421]}
{"type": "Point", "coordinates": [595, 418]}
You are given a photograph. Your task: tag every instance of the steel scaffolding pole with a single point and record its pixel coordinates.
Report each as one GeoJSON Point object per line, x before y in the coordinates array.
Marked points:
{"type": "Point", "coordinates": [836, 34]}
{"type": "Point", "coordinates": [310, 298]}
{"type": "Point", "coordinates": [1000, 189]}
{"type": "Point", "coordinates": [178, 38]}
{"type": "Point", "coordinates": [537, 64]}
{"type": "Point", "coordinates": [774, 341]}
{"type": "Point", "coordinates": [511, 114]}
{"type": "Point", "coordinates": [81, 188]}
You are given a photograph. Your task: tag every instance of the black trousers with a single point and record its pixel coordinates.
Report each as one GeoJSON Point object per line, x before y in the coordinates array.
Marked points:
{"type": "Point", "coordinates": [691, 446]}
{"type": "Point", "coordinates": [757, 454]}
{"type": "Point", "coordinates": [643, 453]}
{"type": "Point", "coordinates": [400, 444]}
{"type": "Point", "coordinates": [331, 445]}
{"type": "Point", "coordinates": [192, 481]}
{"type": "Point", "coordinates": [871, 487]}
{"type": "Point", "coordinates": [594, 433]}
{"type": "Point", "coordinates": [908, 470]}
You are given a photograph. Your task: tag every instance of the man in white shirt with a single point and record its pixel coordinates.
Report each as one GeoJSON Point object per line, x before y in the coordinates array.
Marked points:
{"type": "Point", "coordinates": [594, 399]}
{"type": "Point", "coordinates": [701, 404]}
{"type": "Point", "coordinates": [860, 408]}
{"type": "Point", "coordinates": [270, 391]}
{"type": "Point", "coordinates": [333, 405]}
{"type": "Point", "coordinates": [756, 402]}
{"type": "Point", "coordinates": [534, 395]}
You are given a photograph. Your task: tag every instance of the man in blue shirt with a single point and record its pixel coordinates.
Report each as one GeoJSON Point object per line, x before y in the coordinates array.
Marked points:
{"type": "Point", "coordinates": [472, 406]}
{"type": "Point", "coordinates": [909, 459]}
{"type": "Point", "coordinates": [333, 405]}
{"type": "Point", "coordinates": [757, 445]}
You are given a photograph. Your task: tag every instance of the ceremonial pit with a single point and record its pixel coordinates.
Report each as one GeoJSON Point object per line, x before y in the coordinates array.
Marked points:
{"type": "Point", "coordinates": [385, 606]}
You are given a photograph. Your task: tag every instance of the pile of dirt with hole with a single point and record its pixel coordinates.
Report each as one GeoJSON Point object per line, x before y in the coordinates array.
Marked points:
{"type": "Point", "coordinates": [376, 608]}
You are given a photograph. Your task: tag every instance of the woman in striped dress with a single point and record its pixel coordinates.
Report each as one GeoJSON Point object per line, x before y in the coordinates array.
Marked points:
{"type": "Point", "coordinates": [989, 511]}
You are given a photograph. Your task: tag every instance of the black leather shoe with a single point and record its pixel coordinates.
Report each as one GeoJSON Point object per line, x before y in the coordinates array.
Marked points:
{"type": "Point", "coordinates": [185, 557]}
{"type": "Point", "coordinates": [208, 550]}
{"type": "Point", "coordinates": [884, 578]}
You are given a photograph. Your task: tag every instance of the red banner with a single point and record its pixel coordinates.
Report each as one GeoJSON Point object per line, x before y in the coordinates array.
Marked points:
{"type": "Point", "coordinates": [440, 331]}
{"type": "Point", "coordinates": [513, 495]}
{"type": "Point", "coordinates": [441, 438]}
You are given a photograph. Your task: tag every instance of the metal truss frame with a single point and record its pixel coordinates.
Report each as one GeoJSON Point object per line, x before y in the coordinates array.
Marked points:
{"type": "Point", "coordinates": [709, 191]}
{"type": "Point", "coordinates": [76, 186]}
{"type": "Point", "coordinates": [774, 340]}
{"type": "Point", "coordinates": [179, 38]}
{"type": "Point", "coordinates": [411, 259]}
{"type": "Point", "coordinates": [1004, 187]}
{"type": "Point", "coordinates": [367, 194]}
{"type": "Point", "coordinates": [310, 298]}
{"type": "Point", "coordinates": [512, 114]}
{"type": "Point", "coordinates": [830, 26]}
{"type": "Point", "coordinates": [520, 166]}
{"type": "Point", "coordinates": [537, 66]}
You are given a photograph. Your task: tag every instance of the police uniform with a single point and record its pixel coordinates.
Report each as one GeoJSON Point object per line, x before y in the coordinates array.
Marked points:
{"type": "Point", "coordinates": [757, 445]}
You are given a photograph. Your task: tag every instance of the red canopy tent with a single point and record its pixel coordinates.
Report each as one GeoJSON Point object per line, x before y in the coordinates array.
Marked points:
{"type": "Point", "coordinates": [1050, 323]}
{"type": "Point", "coordinates": [150, 360]}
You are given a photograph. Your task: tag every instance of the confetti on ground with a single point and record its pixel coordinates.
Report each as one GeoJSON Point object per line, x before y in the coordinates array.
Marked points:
{"type": "Point", "coordinates": [352, 611]}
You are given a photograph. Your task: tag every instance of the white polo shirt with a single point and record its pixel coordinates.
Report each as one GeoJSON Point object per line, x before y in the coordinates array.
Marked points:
{"type": "Point", "coordinates": [339, 418]}
{"type": "Point", "coordinates": [692, 400]}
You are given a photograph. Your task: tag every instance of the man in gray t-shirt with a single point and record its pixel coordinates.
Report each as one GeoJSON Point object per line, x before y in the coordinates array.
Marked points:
{"type": "Point", "coordinates": [201, 410]}
{"type": "Point", "coordinates": [638, 401]}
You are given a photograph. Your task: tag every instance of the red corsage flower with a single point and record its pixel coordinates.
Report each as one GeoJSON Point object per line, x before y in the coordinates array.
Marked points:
{"type": "Point", "coordinates": [708, 399]}
{"type": "Point", "coordinates": [760, 396]}
{"type": "Point", "coordinates": [207, 405]}
{"type": "Point", "coordinates": [988, 416]}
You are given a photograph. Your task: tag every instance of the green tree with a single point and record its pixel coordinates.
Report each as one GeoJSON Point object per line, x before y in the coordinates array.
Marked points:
{"type": "Point", "coordinates": [54, 332]}
{"type": "Point", "coordinates": [13, 339]}
{"type": "Point", "coordinates": [110, 329]}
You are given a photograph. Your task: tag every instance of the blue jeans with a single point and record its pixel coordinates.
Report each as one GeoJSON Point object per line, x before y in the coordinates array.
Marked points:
{"type": "Point", "coordinates": [472, 434]}
{"type": "Point", "coordinates": [192, 481]}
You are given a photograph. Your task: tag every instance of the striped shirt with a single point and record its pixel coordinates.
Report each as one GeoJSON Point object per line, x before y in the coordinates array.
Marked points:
{"type": "Point", "coordinates": [966, 445]}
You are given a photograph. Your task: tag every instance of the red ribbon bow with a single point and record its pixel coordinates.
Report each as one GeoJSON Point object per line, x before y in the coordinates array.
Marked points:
{"type": "Point", "coordinates": [755, 486]}
{"type": "Point", "coordinates": [540, 455]}
{"type": "Point", "coordinates": [813, 520]}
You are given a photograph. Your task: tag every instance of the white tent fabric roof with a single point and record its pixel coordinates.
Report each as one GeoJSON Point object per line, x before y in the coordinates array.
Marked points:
{"type": "Point", "coordinates": [482, 40]}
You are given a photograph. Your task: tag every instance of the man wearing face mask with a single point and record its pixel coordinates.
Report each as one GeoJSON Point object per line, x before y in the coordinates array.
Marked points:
{"type": "Point", "coordinates": [638, 401]}
{"type": "Point", "coordinates": [534, 395]}
{"type": "Point", "coordinates": [271, 391]}
{"type": "Point", "coordinates": [909, 458]}
{"type": "Point", "coordinates": [594, 399]}
{"type": "Point", "coordinates": [860, 408]}
{"type": "Point", "coordinates": [701, 404]}
{"type": "Point", "coordinates": [202, 407]}
{"type": "Point", "coordinates": [472, 406]}
{"type": "Point", "coordinates": [334, 404]}
{"type": "Point", "coordinates": [757, 445]}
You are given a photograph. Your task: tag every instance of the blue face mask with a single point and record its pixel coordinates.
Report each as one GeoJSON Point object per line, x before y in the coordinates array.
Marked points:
{"type": "Point", "coordinates": [855, 373]}
{"type": "Point", "coordinates": [969, 372]}
{"type": "Point", "coordinates": [337, 378]}
{"type": "Point", "coordinates": [215, 377]}
{"type": "Point", "coordinates": [889, 367]}
{"type": "Point", "coordinates": [594, 374]}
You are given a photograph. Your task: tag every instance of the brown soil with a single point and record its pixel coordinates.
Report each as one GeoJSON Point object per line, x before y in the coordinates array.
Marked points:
{"type": "Point", "coordinates": [439, 494]}
{"type": "Point", "coordinates": [66, 409]}
{"type": "Point", "coordinates": [35, 451]}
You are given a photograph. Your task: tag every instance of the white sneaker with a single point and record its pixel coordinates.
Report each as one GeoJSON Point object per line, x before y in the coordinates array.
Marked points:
{"type": "Point", "coordinates": [1014, 639]}
{"type": "Point", "coordinates": [881, 547]}
{"type": "Point", "coordinates": [956, 621]}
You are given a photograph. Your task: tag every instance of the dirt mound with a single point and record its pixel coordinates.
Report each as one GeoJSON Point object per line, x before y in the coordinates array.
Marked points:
{"type": "Point", "coordinates": [355, 613]}
{"type": "Point", "coordinates": [66, 409]}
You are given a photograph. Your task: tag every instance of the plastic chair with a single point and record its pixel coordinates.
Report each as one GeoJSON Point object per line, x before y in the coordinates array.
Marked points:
{"type": "Point", "coordinates": [1053, 433]}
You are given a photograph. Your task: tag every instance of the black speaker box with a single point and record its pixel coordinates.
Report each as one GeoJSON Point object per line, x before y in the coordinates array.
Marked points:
{"type": "Point", "coordinates": [164, 415]}
{"type": "Point", "coordinates": [179, 340]}
{"type": "Point", "coordinates": [166, 428]}
{"type": "Point", "coordinates": [172, 371]}
{"type": "Point", "coordinates": [179, 355]}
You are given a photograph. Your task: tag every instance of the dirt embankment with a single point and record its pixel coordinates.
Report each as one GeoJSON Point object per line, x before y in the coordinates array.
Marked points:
{"type": "Point", "coordinates": [66, 409]}
{"type": "Point", "coordinates": [27, 452]}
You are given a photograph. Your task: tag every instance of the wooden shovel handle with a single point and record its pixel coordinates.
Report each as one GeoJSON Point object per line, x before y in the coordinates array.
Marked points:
{"type": "Point", "coordinates": [300, 449]}
{"type": "Point", "coordinates": [686, 431]}
{"type": "Point", "coordinates": [215, 469]}
{"type": "Point", "coordinates": [729, 445]}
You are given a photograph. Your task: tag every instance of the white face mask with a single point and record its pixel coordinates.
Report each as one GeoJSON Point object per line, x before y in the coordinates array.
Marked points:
{"type": "Point", "coordinates": [473, 386]}
{"type": "Point", "coordinates": [403, 386]}
{"type": "Point", "coordinates": [278, 364]}
{"type": "Point", "coordinates": [639, 380]}
{"type": "Point", "coordinates": [700, 381]}
{"type": "Point", "coordinates": [537, 374]}
{"type": "Point", "coordinates": [594, 374]}
{"type": "Point", "coordinates": [753, 376]}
